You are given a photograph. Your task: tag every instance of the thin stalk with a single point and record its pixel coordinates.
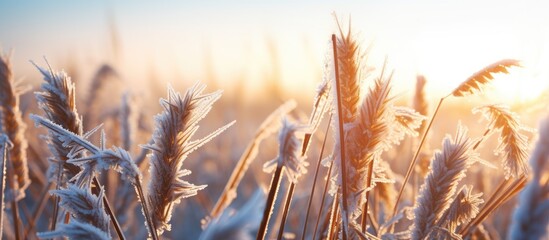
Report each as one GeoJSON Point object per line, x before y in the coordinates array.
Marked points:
{"type": "Point", "coordinates": [14, 208]}
{"type": "Point", "coordinates": [273, 191]}
{"type": "Point", "coordinates": [375, 225]}
{"type": "Point", "coordinates": [109, 211]}
{"type": "Point", "coordinates": [416, 154]}
{"type": "Point", "coordinates": [304, 232]}
{"type": "Point", "coordinates": [285, 211]}
{"type": "Point", "coordinates": [501, 195]}
{"type": "Point", "coordinates": [333, 217]}
{"type": "Point", "coordinates": [148, 219]}
{"type": "Point", "coordinates": [56, 198]}
{"type": "Point", "coordinates": [341, 143]}
{"type": "Point", "coordinates": [365, 208]}
{"type": "Point", "coordinates": [323, 198]}
{"type": "Point", "coordinates": [482, 138]}
{"type": "Point", "coordinates": [55, 212]}
{"type": "Point", "coordinates": [3, 185]}
{"type": "Point", "coordinates": [38, 211]}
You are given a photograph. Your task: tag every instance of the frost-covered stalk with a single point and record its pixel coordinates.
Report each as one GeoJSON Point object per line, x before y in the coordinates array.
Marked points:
{"type": "Point", "coordinates": [86, 209]}
{"type": "Point", "coordinates": [12, 125]}
{"type": "Point", "coordinates": [447, 169]}
{"type": "Point", "coordinates": [4, 145]}
{"type": "Point", "coordinates": [237, 224]}
{"type": "Point", "coordinates": [530, 219]}
{"type": "Point", "coordinates": [175, 127]}
{"type": "Point", "coordinates": [289, 160]}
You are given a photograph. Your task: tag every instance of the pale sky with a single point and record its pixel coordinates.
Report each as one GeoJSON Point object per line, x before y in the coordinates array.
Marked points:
{"type": "Point", "coordinates": [444, 40]}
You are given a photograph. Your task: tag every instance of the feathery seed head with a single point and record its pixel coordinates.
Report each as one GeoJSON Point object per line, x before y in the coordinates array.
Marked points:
{"type": "Point", "coordinates": [175, 127]}
{"type": "Point", "coordinates": [289, 152]}
{"type": "Point", "coordinates": [84, 206]}
{"type": "Point", "coordinates": [475, 82]}
{"type": "Point", "coordinates": [513, 145]}
{"type": "Point", "coordinates": [447, 168]}
{"type": "Point", "coordinates": [58, 101]}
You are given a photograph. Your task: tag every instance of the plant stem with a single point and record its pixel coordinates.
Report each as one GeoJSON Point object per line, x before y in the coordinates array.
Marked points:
{"type": "Point", "coordinates": [342, 159]}
{"type": "Point", "coordinates": [288, 200]}
{"type": "Point", "coordinates": [148, 219]}
{"type": "Point", "coordinates": [38, 211]}
{"type": "Point", "coordinates": [323, 199]}
{"type": "Point", "coordinates": [273, 191]}
{"type": "Point", "coordinates": [416, 154]}
{"type": "Point", "coordinates": [14, 208]}
{"type": "Point", "coordinates": [368, 183]}
{"type": "Point", "coordinates": [109, 211]}
{"type": "Point", "coordinates": [333, 218]}
{"type": "Point", "coordinates": [304, 232]}
{"type": "Point", "coordinates": [3, 184]}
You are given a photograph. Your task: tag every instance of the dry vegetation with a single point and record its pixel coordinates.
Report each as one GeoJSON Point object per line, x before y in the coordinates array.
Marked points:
{"type": "Point", "coordinates": [354, 168]}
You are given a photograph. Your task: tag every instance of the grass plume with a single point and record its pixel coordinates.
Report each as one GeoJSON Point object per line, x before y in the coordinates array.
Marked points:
{"type": "Point", "coordinates": [447, 168]}
{"type": "Point", "coordinates": [513, 145]}
{"type": "Point", "coordinates": [175, 127]}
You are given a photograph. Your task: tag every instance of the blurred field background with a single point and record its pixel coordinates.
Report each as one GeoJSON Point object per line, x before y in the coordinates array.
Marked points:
{"type": "Point", "coordinates": [264, 53]}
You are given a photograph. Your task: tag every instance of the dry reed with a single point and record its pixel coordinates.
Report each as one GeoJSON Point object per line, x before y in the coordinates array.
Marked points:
{"type": "Point", "coordinates": [13, 126]}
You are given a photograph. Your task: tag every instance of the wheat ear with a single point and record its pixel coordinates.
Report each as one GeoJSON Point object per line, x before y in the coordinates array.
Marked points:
{"type": "Point", "coordinates": [14, 127]}
{"type": "Point", "coordinates": [447, 169]}
{"type": "Point", "coordinates": [172, 144]}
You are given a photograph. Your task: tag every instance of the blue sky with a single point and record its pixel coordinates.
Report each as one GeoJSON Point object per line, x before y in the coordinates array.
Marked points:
{"type": "Point", "coordinates": [175, 38]}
